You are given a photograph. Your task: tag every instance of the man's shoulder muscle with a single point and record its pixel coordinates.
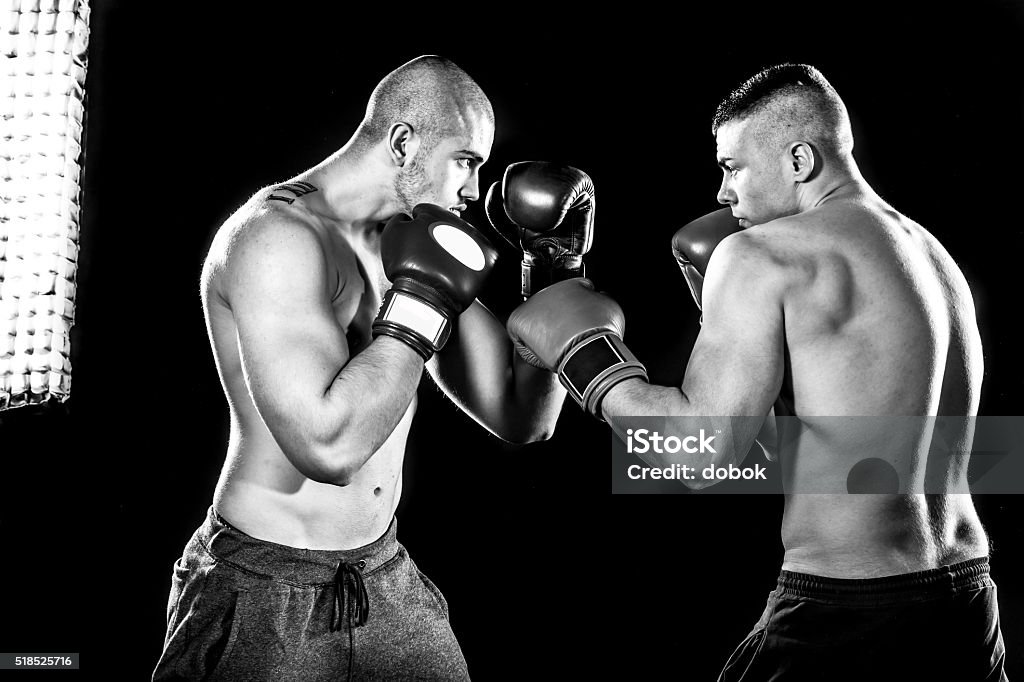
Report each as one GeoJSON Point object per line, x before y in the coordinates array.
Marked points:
{"type": "Point", "coordinates": [265, 240]}
{"type": "Point", "coordinates": [746, 276]}
{"type": "Point", "coordinates": [758, 256]}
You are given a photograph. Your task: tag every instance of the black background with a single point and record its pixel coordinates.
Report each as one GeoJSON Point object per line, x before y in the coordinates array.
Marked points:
{"type": "Point", "coordinates": [547, 574]}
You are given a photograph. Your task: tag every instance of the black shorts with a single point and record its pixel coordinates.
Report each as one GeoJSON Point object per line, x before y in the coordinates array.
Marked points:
{"type": "Point", "coordinates": [246, 609]}
{"type": "Point", "coordinates": [941, 624]}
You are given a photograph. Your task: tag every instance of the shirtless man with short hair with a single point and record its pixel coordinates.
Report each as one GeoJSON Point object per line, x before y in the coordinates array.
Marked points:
{"type": "Point", "coordinates": [823, 300]}
{"type": "Point", "coordinates": [297, 572]}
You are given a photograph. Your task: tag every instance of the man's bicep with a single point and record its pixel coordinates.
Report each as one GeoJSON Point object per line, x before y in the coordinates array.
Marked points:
{"type": "Point", "coordinates": [290, 344]}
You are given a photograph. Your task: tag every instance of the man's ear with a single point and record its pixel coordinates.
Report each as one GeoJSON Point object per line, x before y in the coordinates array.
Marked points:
{"type": "Point", "coordinates": [802, 160]}
{"type": "Point", "coordinates": [402, 143]}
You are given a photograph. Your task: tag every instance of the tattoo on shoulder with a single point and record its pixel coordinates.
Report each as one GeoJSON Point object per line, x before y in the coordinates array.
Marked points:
{"type": "Point", "coordinates": [297, 188]}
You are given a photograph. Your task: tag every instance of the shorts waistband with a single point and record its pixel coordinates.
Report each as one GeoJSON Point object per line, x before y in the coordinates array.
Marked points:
{"type": "Point", "coordinates": [936, 581]}
{"type": "Point", "coordinates": [291, 564]}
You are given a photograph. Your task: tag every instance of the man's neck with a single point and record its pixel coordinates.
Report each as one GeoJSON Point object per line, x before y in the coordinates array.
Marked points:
{"type": "Point", "coordinates": [841, 184]}
{"type": "Point", "coordinates": [356, 192]}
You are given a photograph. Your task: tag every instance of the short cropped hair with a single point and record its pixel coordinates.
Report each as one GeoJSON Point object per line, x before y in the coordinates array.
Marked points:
{"type": "Point", "coordinates": [793, 101]}
{"type": "Point", "coordinates": [430, 93]}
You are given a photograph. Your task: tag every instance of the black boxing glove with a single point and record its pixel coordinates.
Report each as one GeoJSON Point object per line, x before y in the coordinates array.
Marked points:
{"type": "Point", "coordinates": [437, 264]}
{"type": "Point", "coordinates": [547, 210]}
{"type": "Point", "coordinates": [693, 243]}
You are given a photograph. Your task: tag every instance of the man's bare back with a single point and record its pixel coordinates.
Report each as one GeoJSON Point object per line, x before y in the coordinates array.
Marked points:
{"type": "Point", "coordinates": [857, 326]}
{"type": "Point", "coordinates": [879, 322]}
{"type": "Point", "coordinates": [259, 489]}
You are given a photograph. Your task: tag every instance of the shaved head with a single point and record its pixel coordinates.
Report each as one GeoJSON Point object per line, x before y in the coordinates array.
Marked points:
{"type": "Point", "coordinates": [789, 102]}
{"type": "Point", "coordinates": [431, 94]}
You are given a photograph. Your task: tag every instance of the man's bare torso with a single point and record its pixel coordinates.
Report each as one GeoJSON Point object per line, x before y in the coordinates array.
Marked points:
{"type": "Point", "coordinates": [259, 490]}
{"type": "Point", "coordinates": [879, 322]}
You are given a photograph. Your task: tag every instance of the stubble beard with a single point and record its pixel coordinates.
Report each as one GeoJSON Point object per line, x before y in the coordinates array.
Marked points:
{"type": "Point", "coordinates": [411, 185]}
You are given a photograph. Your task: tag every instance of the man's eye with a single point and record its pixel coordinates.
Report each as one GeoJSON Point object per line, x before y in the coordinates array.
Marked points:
{"type": "Point", "coordinates": [464, 163]}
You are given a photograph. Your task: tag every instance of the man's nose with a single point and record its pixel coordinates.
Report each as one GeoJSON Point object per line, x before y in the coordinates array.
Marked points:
{"type": "Point", "coordinates": [471, 190]}
{"type": "Point", "coordinates": [725, 195]}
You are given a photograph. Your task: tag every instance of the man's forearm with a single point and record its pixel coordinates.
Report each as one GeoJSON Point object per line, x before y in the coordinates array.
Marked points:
{"type": "Point", "coordinates": [684, 419]}
{"type": "Point", "coordinates": [637, 398]}
{"type": "Point", "coordinates": [537, 398]}
{"type": "Point", "coordinates": [365, 402]}
{"type": "Point", "coordinates": [483, 374]}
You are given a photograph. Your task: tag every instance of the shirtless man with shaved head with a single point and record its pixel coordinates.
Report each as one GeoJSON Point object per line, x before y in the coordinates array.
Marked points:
{"type": "Point", "coordinates": [297, 574]}
{"type": "Point", "coordinates": [821, 299]}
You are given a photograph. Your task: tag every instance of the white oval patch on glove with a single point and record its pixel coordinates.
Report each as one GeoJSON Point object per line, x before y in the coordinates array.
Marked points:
{"type": "Point", "coordinates": [460, 245]}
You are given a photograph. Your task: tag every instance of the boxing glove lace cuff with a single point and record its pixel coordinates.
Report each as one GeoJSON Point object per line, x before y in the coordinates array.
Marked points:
{"type": "Point", "coordinates": [537, 275]}
{"type": "Point", "coordinates": [591, 367]}
{"type": "Point", "coordinates": [414, 321]}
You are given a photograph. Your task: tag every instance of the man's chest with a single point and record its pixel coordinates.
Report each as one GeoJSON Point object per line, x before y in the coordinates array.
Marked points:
{"type": "Point", "coordinates": [359, 289]}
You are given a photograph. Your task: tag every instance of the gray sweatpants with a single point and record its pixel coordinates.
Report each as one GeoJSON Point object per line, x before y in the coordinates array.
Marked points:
{"type": "Point", "coordinates": [247, 609]}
